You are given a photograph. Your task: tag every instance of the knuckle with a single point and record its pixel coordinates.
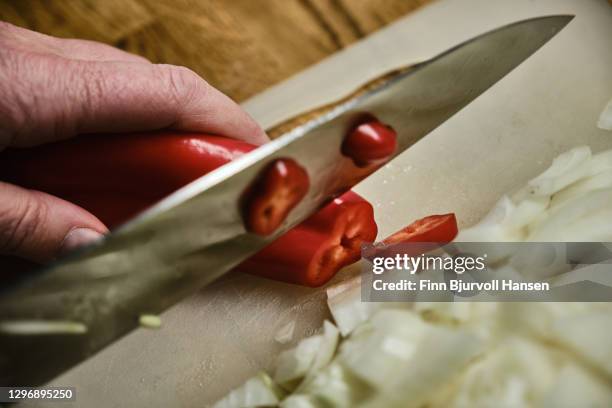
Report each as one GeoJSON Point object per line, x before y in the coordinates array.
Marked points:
{"type": "Point", "coordinates": [17, 100]}
{"type": "Point", "coordinates": [93, 84]}
{"type": "Point", "coordinates": [83, 89]}
{"type": "Point", "coordinates": [253, 128]}
{"type": "Point", "coordinates": [45, 116]}
{"type": "Point", "coordinates": [19, 222]}
{"type": "Point", "coordinates": [6, 28]}
{"type": "Point", "coordinates": [33, 85]}
{"type": "Point", "coordinates": [184, 85]}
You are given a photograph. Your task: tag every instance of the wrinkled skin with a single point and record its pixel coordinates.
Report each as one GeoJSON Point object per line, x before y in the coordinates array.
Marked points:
{"type": "Point", "coordinates": [54, 89]}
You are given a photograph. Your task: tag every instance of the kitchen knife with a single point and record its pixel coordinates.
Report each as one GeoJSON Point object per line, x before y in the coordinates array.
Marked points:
{"type": "Point", "coordinates": [61, 315]}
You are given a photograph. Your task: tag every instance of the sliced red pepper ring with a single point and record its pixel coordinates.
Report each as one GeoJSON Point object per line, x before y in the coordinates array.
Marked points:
{"type": "Point", "coordinates": [369, 143]}
{"type": "Point", "coordinates": [275, 192]}
{"type": "Point", "coordinates": [314, 251]}
{"type": "Point", "coordinates": [434, 228]}
{"type": "Point", "coordinates": [425, 235]}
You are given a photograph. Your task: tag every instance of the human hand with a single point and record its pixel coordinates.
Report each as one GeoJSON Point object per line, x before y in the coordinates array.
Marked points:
{"type": "Point", "coordinates": [54, 89]}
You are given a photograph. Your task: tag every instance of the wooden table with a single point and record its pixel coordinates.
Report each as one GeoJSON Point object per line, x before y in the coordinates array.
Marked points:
{"type": "Point", "coordinates": [239, 46]}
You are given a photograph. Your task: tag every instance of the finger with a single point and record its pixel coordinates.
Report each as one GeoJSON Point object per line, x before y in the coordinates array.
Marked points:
{"type": "Point", "coordinates": [95, 97]}
{"type": "Point", "coordinates": [93, 51]}
{"type": "Point", "coordinates": [68, 48]}
{"type": "Point", "coordinates": [41, 227]}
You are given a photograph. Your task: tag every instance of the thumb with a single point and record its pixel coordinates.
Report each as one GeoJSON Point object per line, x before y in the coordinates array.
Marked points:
{"type": "Point", "coordinates": [40, 227]}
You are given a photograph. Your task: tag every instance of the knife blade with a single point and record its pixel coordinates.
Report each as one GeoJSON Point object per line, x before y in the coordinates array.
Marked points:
{"type": "Point", "coordinates": [195, 235]}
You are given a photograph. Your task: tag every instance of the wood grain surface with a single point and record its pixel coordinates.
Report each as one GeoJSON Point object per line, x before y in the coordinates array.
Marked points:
{"type": "Point", "coordinates": [239, 46]}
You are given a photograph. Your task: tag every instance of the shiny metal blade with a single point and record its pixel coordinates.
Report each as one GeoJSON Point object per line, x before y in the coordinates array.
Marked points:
{"type": "Point", "coordinates": [197, 234]}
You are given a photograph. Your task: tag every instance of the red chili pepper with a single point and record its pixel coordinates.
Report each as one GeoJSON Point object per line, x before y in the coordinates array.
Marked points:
{"type": "Point", "coordinates": [117, 176]}
{"type": "Point", "coordinates": [314, 251]}
{"type": "Point", "coordinates": [370, 142]}
{"type": "Point", "coordinates": [435, 228]}
{"type": "Point", "coordinates": [275, 192]}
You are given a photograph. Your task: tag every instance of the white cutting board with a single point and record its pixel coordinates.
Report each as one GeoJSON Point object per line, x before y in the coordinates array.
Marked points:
{"type": "Point", "coordinates": [214, 340]}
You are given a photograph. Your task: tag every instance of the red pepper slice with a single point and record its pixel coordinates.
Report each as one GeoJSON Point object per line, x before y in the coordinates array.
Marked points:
{"type": "Point", "coordinates": [370, 142]}
{"type": "Point", "coordinates": [275, 192]}
{"type": "Point", "coordinates": [314, 251]}
{"type": "Point", "coordinates": [434, 228]}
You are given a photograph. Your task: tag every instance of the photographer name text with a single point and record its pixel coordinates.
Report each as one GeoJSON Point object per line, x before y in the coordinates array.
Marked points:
{"type": "Point", "coordinates": [459, 286]}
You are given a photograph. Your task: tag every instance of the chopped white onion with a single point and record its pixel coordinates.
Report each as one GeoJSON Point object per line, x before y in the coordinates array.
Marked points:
{"type": "Point", "coordinates": [259, 391]}
{"type": "Point", "coordinates": [589, 335]}
{"type": "Point", "coordinates": [479, 353]}
{"type": "Point", "coordinates": [438, 360]}
{"type": "Point", "coordinates": [294, 364]}
{"type": "Point", "coordinates": [347, 309]}
{"type": "Point", "coordinates": [299, 401]}
{"type": "Point", "coordinates": [307, 358]}
{"type": "Point", "coordinates": [388, 341]}
{"type": "Point", "coordinates": [493, 227]}
{"type": "Point", "coordinates": [565, 169]}
{"type": "Point", "coordinates": [327, 348]}
{"type": "Point", "coordinates": [587, 218]}
{"type": "Point", "coordinates": [285, 334]}
{"type": "Point", "coordinates": [599, 181]}
{"type": "Point", "coordinates": [335, 387]}
{"type": "Point", "coordinates": [444, 312]}
{"type": "Point", "coordinates": [575, 386]}
{"type": "Point", "coordinates": [513, 374]}
{"type": "Point", "coordinates": [567, 202]}
{"type": "Point", "coordinates": [525, 213]}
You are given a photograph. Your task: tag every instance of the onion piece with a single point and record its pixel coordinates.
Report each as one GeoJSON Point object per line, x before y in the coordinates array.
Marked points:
{"type": "Point", "coordinates": [438, 360]}
{"type": "Point", "coordinates": [585, 219]}
{"type": "Point", "coordinates": [384, 345]}
{"type": "Point", "coordinates": [492, 227]}
{"type": "Point", "coordinates": [588, 335]}
{"type": "Point", "coordinates": [310, 356]}
{"type": "Point", "coordinates": [285, 334]}
{"type": "Point", "coordinates": [327, 348]}
{"type": "Point", "coordinates": [577, 387]}
{"type": "Point", "coordinates": [605, 119]}
{"type": "Point", "coordinates": [562, 171]}
{"type": "Point", "coordinates": [299, 401]}
{"type": "Point", "coordinates": [259, 391]}
{"type": "Point", "coordinates": [444, 312]}
{"type": "Point", "coordinates": [41, 327]}
{"type": "Point", "coordinates": [597, 182]}
{"type": "Point", "coordinates": [335, 387]}
{"type": "Point", "coordinates": [601, 161]}
{"type": "Point", "coordinates": [150, 321]}
{"type": "Point", "coordinates": [525, 213]}
{"type": "Point", "coordinates": [514, 374]}
{"type": "Point", "coordinates": [347, 309]}
{"type": "Point", "coordinates": [295, 363]}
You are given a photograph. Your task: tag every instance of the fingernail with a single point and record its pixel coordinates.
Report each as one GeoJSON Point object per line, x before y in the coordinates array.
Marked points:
{"type": "Point", "coordinates": [78, 237]}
